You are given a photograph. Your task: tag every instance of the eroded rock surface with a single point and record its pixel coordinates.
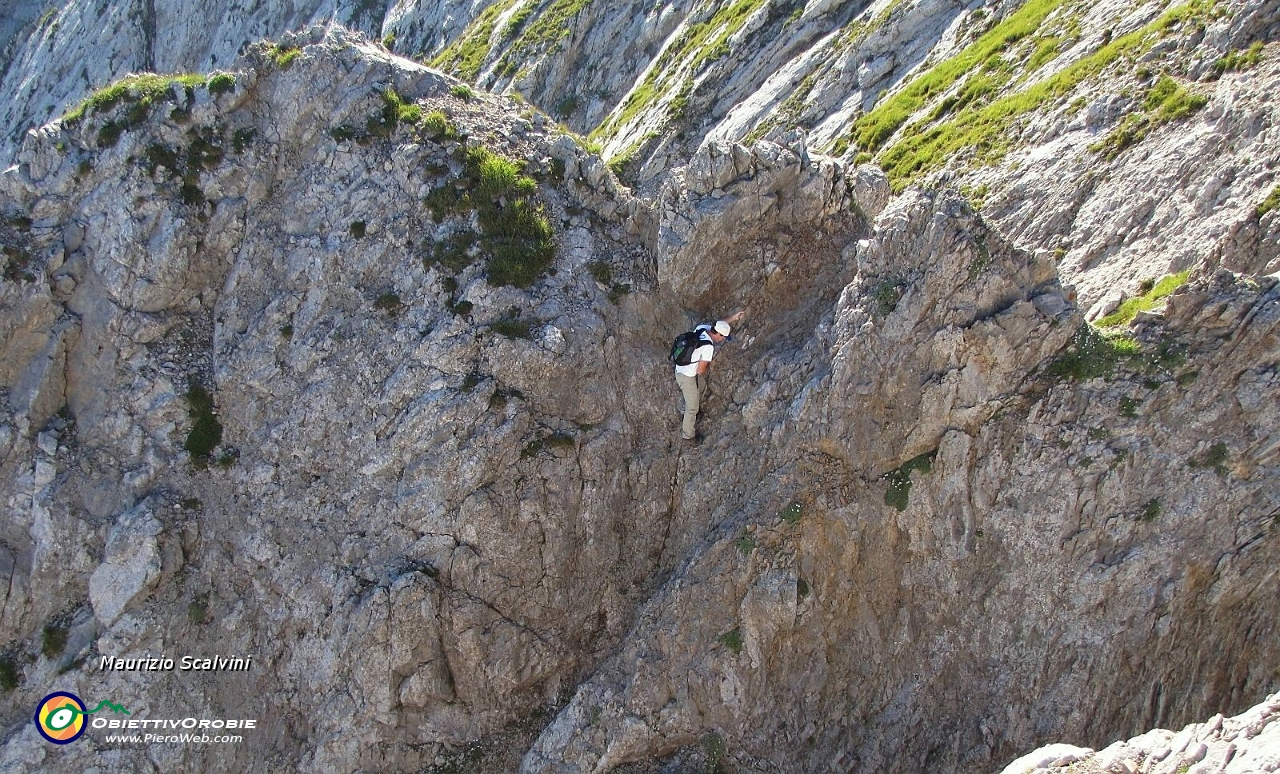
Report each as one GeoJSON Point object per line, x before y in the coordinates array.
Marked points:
{"type": "Point", "coordinates": [932, 524]}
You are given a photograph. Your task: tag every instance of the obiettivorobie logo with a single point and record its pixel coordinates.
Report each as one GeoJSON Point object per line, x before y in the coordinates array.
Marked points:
{"type": "Point", "coordinates": [60, 716]}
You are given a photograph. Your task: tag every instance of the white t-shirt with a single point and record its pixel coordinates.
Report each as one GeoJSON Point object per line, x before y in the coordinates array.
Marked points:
{"type": "Point", "coordinates": [705, 351]}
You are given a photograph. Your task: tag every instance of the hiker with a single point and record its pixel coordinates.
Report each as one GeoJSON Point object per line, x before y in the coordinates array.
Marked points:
{"type": "Point", "coordinates": [692, 353]}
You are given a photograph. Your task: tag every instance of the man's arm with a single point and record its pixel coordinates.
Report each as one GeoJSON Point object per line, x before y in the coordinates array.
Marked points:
{"type": "Point", "coordinates": [704, 354]}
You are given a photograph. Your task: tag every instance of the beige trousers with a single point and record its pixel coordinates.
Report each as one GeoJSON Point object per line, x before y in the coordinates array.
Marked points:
{"type": "Point", "coordinates": [691, 387]}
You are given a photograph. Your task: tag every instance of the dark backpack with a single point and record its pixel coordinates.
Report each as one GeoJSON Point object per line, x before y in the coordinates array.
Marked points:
{"type": "Point", "coordinates": [684, 345]}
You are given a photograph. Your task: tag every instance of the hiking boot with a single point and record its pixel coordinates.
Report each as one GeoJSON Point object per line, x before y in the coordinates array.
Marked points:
{"type": "Point", "coordinates": [694, 441]}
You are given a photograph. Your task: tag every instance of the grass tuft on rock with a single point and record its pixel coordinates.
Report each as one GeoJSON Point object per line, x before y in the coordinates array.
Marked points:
{"type": "Point", "coordinates": [1270, 203]}
{"type": "Point", "coordinates": [206, 430]}
{"type": "Point", "coordinates": [9, 677]}
{"type": "Point", "coordinates": [53, 640]}
{"type": "Point", "coordinates": [222, 83]}
{"type": "Point", "coordinates": [732, 640]}
{"type": "Point", "coordinates": [1092, 353]}
{"type": "Point", "coordinates": [512, 327]}
{"type": "Point", "coordinates": [898, 491]}
{"type": "Point", "coordinates": [1146, 302]}
{"type": "Point", "coordinates": [983, 129]}
{"type": "Point", "coordinates": [1216, 458]}
{"type": "Point", "coordinates": [516, 238]}
{"type": "Point", "coordinates": [284, 54]}
{"type": "Point", "coordinates": [390, 303]}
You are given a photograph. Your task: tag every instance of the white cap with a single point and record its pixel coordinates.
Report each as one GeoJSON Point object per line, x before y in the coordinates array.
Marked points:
{"type": "Point", "coordinates": [722, 327]}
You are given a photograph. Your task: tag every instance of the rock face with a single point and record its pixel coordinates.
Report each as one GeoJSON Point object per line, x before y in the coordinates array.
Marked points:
{"type": "Point", "coordinates": [1245, 743]}
{"type": "Point", "coordinates": [1128, 138]}
{"type": "Point", "coordinates": [1035, 542]}
{"type": "Point", "coordinates": [1028, 108]}
{"type": "Point", "coordinates": [281, 405]}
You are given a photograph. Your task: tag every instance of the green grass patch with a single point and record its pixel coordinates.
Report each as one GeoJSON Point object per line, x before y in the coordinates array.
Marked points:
{"type": "Point", "coordinates": [745, 544]}
{"type": "Point", "coordinates": [1270, 203]}
{"type": "Point", "coordinates": [559, 441]}
{"type": "Point", "coordinates": [466, 55]}
{"type": "Point", "coordinates": [390, 303]}
{"type": "Point", "coordinates": [698, 46]}
{"type": "Point", "coordinates": [1216, 458]}
{"type": "Point", "coordinates": [1129, 407]}
{"type": "Point", "coordinates": [140, 93]}
{"type": "Point", "coordinates": [396, 110]}
{"type": "Point", "coordinates": [405, 111]}
{"type": "Point", "coordinates": [17, 265]}
{"type": "Point", "coordinates": [1047, 50]}
{"type": "Point", "coordinates": [452, 253]}
{"type": "Point", "coordinates": [792, 513]}
{"type": "Point", "coordinates": [437, 124]}
{"type": "Point", "coordinates": [516, 238]}
{"type": "Point", "coordinates": [518, 241]}
{"type": "Point", "coordinates": [517, 20]}
{"type": "Point", "coordinates": [1238, 60]}
{"type": "Point", "coordinates": [566, 106]}
{"type": "Point", "coordinates": [1169, 101]}
{"type": "Point", "coordinates": [1093, 353]}
{"type": "Point", "coordinates": [898, 491]}
{"type": "Point", "coordinates": [1146, 302]}
{"type": "Point", "coordinates": [600, 272]}
{"type": "Point", "coordinates": [221, 83]}
{"type": "Point", "coordinates": [242, 139]}
{"type": "Point", "coordinates": [498, 400]}
{"type": "Point", "coordinates": [512, 327]}
{"type": "Point", "coordinates": [9, 677]}
{"type": "Point", "coordinates": [885, 295]}
{"type": "Point", "coordinates": [53, 640]}
{"type": "Point", "coordinates": [206, 430]}
{"type": "Point", "coordinates": [284, 54]}
{"type": "Point", "coordinates": [1166, 101]}
{"type": "Point", "coordinates": [552, 24]}
{"type": "Point", "coordinates": [1150, 510]}
{"type": "Point", "coordinates": [358, 229]}
{"type": "Point", "coordinates": [732, 640]}
{"type": "Point", "coordinates": [617, 291]}
{"type": "Point", "coordinates": [874, 129]}
{"type": "Point", "coordinates": [983, 129]}
{"type": "Point", "coordinates": [198, 610]}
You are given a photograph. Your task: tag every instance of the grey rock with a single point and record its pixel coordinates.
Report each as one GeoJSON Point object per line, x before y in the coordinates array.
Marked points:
{"type": "Point", "coordinates": [130, 564]}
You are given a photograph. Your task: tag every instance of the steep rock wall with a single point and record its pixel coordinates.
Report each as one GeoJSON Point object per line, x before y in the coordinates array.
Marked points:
{"type": "Point", "coordinates": [425, 528]}
{"type": "Point", "coordinates": [1059, 532]}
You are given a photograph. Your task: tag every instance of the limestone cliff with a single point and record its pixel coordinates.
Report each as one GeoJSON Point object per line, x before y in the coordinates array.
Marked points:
{"type": "Point", "coordinates": [1143, 128]}
{"type": "Point", "coordinates": [335, 362]}
{"type": "Point", "coordinates": [1246, 743]}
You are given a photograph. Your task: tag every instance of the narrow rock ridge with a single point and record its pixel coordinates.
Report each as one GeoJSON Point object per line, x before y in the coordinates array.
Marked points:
{"type": "Point", "coordinates": [1055, 118]}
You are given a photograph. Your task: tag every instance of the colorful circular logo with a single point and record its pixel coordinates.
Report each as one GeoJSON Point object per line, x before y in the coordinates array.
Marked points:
{"type": "Point", "coordinates": [60, 717]}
